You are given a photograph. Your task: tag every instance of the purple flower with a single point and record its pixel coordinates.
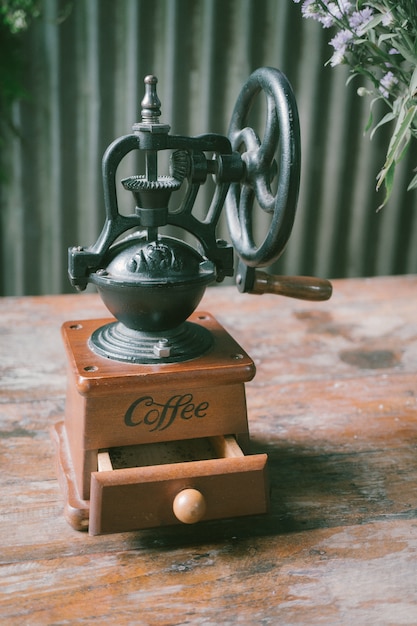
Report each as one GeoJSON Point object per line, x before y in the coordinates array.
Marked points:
{"type": "Point", "coordinates": [338, 9]}
{"type": "Point", "coordinates": [310, 9]}
{"type": "Point", "coordinates": [361, 18]}
{"type": "Point", "coordinates": [327, 11]}
{"type": "Point", "coordinates": [387, 82]}
{"type": "Point", "coordinates": [388, 18]}
{"type": "Point", "coordinates": [340, 44]}
{"type": "Point", "coordinates": [345, 6]}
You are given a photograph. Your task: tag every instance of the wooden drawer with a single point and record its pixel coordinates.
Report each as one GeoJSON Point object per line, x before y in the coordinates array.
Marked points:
{"type": "Point", "coordinates": [139, 486]}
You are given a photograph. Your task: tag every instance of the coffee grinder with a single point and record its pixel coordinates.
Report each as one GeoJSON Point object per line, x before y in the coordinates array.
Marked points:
{"type": "Point", "coordinates": [156, 430]}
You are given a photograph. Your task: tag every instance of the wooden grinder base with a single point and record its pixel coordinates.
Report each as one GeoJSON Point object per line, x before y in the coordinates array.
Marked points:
{"type": "Point", "coordinates": [144, 446]}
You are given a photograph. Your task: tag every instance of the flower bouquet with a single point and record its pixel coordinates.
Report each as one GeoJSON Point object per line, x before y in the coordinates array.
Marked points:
{"type": "Point", "coordinates": [378, 41]}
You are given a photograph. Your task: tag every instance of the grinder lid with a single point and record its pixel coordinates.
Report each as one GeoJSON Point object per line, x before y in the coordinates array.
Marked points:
{"type": "Point", "coordinates": [165, 261]}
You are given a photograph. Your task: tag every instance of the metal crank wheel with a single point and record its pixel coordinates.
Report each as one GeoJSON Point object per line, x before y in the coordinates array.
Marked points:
{"type": "Point", "coordinates": [261, 168]}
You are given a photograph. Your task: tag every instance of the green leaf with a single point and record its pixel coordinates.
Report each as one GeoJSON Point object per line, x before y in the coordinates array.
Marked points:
{"type": "Point", "coordinates": [387, 118]}
{"type": "Point", "coordinates": [395, 148]}
{"type": "Point", "coordinates": [369, 122]}
{"type": "Point", "coordinates": [413, 183]}
{"type": "Point", "coordinates": [408, 56]}
{"type": "Point", "coordinates": [371, 24]}
{"type": "Point", "coordinates": [388, 183]}
{"type": "Point", "coordinates": [413, 82]}
{"type": "Point", "coordinates": [385, 37]}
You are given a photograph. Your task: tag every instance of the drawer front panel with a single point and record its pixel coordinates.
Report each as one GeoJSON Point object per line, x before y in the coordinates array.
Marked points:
{"type": "Point", "coordinates": [138, 498]}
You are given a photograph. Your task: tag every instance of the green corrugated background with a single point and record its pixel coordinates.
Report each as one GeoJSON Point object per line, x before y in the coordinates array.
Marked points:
{"type": "Point", "coordinates": [84, 80]}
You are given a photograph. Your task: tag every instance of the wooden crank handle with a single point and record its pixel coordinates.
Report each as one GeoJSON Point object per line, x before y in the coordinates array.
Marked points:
{"type": "Point", "coordinates": [250, 280]}
{"type": "Point", "coordinates": [301, 287]}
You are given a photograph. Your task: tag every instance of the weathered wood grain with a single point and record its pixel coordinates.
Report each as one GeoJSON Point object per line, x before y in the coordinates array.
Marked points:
{"type": "Point", "coordinates": [333, 404]}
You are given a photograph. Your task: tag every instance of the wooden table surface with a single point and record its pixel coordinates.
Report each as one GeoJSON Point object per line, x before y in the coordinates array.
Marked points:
{"type": "Point", "coordinates": [334, 406]}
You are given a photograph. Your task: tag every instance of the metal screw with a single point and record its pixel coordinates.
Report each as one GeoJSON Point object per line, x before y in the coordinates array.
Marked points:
{"type": "Point", "coordinates": [162, 349]}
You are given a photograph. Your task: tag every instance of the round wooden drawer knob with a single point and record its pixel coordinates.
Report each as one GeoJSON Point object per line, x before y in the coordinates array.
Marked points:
{"type": "Point", "coordinates": [189, 506]}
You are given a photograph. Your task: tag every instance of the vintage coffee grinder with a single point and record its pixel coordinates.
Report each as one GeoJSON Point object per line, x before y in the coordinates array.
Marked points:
{"type": "Point", "coordinates": [155, 426]}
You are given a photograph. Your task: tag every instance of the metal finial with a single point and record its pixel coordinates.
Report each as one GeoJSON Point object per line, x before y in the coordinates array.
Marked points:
{"type": "Point", "coordinates": [151, 104]}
